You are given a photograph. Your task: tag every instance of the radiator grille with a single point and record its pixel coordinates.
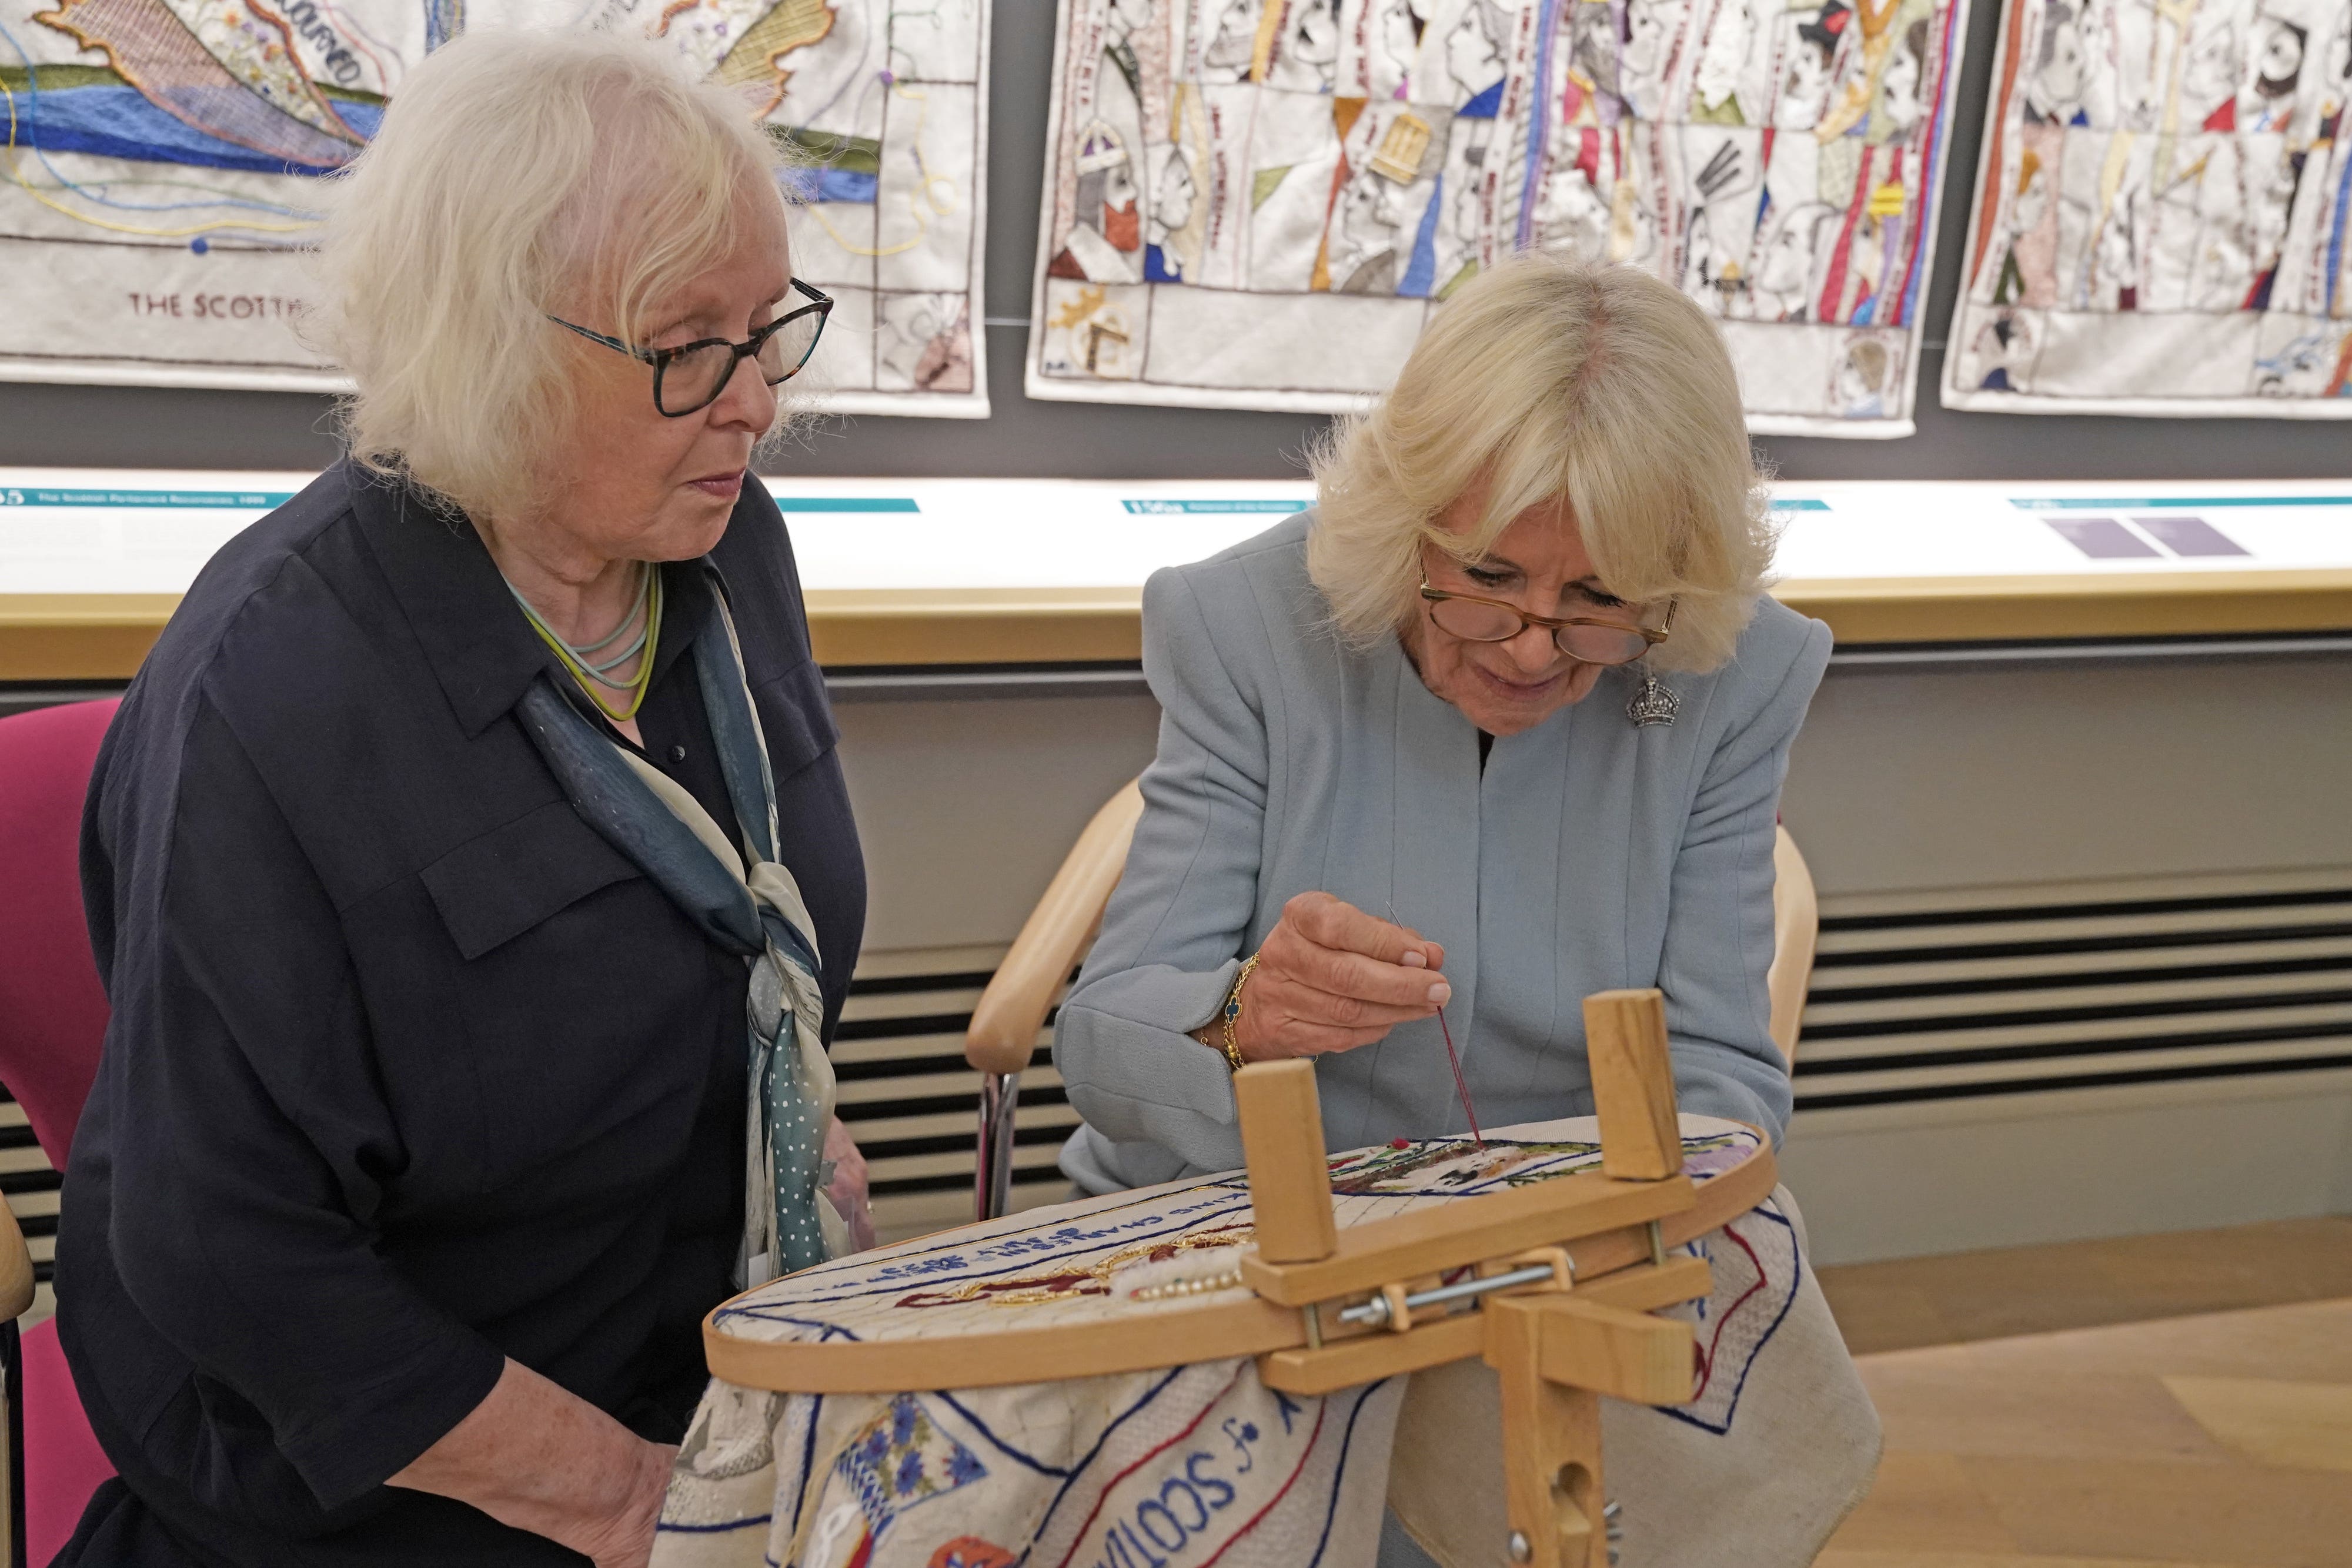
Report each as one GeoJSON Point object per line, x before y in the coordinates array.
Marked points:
{"type": "Point", "coordinates": [912, 1103]}
{"type": "Point", "coordinates": [2033, 996]}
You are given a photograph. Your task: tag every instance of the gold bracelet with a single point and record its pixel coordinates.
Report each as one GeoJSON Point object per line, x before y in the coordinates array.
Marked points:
{"type": "Point", "coordinates": [1232, 1012]}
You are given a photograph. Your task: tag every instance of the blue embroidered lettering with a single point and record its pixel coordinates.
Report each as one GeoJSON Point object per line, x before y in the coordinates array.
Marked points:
{"type": "Point", "coordinates": [1243, 1433]}
{"type": "Point", "coordinates": [1143, 1513]}
{"type": "Point", "coordinates": [1192, 1473]}
{"type": "Point", "coordinates": [1114, 1553]}
{"type": "Point", "coordinates": [1141, 1550]}
{"type": "Point", "coordinates": [1178, 1484]}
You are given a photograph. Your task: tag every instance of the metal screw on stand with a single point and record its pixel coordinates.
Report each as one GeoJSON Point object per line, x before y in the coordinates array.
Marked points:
{"type": "Point", "coordinates": [1521, 1552]}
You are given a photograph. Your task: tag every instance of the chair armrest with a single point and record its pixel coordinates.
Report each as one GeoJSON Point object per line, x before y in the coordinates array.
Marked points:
{"type": "Point", "coordinates": [1011, 1011]}
{"type": "Point", "coordinates": [1796, 928]}
{"type": "Point", "coordinates": [16, 1268]}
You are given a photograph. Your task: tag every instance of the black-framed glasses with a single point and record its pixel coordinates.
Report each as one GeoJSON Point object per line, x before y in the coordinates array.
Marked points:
{"type": "Point", "coordinates": [1582, 638]}
{"type": "Point", "coordinates": [690, 377]}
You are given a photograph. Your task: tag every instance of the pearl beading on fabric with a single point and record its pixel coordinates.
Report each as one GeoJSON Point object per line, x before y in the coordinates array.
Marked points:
{"type": "Point", "coordinates": [1228, 1280]}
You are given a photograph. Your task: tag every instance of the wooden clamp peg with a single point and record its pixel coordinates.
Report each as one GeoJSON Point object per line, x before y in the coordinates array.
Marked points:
{"type": "Point", "coordinates": [1633, 1084]}
{"type": "Point", "coordinates": [1289, 1175]}
{"type": "Point", "coordinates": [1626, 1356]}
{"type": "Point", "coordinates": [1555, 1357]}
{"type": "Point", "coordinates": [1551, 1450]}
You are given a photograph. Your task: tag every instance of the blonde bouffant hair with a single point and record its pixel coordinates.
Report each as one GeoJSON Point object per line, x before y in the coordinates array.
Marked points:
{"type": "Point", "coordinates": [519, 174]}
{"type": "Point", "coordinates": [1552, 378]}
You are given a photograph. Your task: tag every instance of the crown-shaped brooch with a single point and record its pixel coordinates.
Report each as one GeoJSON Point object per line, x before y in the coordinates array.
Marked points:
{"type": "Point", "coordinates": [1652, 704]}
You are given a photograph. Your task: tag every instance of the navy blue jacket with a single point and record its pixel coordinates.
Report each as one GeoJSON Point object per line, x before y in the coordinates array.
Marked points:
{"type": "Point", "coordinates": [409, 1070]}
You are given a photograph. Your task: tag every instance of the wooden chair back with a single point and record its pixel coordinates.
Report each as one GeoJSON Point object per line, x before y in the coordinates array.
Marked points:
{"type": "Point", "coordinates": [15, 1299]}
{"type": "Point", "coordinates": [15, 1269]}
{"type": "Point", "coordinates": [1796, 930]}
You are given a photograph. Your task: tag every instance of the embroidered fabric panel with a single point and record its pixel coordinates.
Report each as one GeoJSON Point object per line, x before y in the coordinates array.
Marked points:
{"type": "Point", "coordinates": [2159, 216]}
{"type": "Point", "coordinates": [1203, 1464]}
{"type": "Point", "coordinates": [163, 158]}
{"type": "Point", "coordinates": [1193, 1465]}
{"type": "Point", "coordinates": [1083, 1262]}
{"type": "Point", "coordinates": [1258, 204]}
{"type": "Point", "coordinates": [1189, 1466]}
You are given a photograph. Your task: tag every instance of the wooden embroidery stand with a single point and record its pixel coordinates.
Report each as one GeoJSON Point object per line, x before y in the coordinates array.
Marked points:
{"type": "Point", "coordinates": [1493, 1276]}
{"type": "Point", "coordinates": [1548, 1280]}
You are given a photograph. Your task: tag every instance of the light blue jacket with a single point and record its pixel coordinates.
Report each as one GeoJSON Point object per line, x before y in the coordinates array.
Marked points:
{"type": "Point", "coordinates": [1590, 856]}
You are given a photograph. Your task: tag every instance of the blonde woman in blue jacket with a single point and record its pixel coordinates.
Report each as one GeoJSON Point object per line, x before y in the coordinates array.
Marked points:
{"type": "Point", "coordinates": [1502, 722]}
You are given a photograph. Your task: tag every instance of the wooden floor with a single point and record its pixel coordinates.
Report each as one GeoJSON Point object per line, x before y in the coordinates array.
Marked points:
{"type": "Point", "coordinates": [2193, 1439]}
{"type": "Point", "coordinates": [1919, 1302]}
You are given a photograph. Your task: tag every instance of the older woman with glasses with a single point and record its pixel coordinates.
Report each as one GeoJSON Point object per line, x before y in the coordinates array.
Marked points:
{"type": "Point", "coordinates": [1501, 724]}
{"type": "Point", "coordinates": [472, 874]}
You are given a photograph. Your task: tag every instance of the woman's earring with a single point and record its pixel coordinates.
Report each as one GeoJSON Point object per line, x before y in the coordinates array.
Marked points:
{"type": "Point", "coordinates": [1652, 704]}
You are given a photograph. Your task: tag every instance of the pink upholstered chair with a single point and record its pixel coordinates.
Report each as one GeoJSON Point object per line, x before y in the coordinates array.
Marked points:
{"type": "Point", "coordinates": [52, 1019]}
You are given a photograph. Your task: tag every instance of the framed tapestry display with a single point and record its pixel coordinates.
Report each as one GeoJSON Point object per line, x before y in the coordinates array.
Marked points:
{"type": "Point", "coordinates": [1257, 204]}
{"type": "Point", "coordinates": [2159, 215]}
{"type": "Point", "coordinates": [163, 157]}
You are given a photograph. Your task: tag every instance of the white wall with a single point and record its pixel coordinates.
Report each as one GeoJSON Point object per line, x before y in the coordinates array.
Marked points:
{"type": "Point", "coordinates": [2027, 775]}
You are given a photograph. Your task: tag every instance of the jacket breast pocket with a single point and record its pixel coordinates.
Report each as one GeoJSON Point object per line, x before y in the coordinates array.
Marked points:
{"type": "Point", "coordinates": [796, 718]}
{"type": "Point", "coordinates": [493, 888]}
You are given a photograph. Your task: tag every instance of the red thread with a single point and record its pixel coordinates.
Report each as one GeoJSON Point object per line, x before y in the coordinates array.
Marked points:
{"type": "Point", "coordinates": [1460, 1087]}
{"type": "Point", "coordinates": [1723, 1319]}
{"type": "Point", "coordinates": [1454, 1058]}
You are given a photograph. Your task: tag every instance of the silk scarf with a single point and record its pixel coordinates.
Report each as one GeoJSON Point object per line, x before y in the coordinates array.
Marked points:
{"type": "Point", "coordinates": [745, 902]}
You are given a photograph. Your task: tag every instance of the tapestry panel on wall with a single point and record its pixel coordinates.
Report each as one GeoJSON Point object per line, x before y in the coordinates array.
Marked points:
{"type": "Point", "coordinates": [2159, 215]}
{"type": "Point", "coordinates": [1258, 203]}
{"type": "Point", "coordinates": [163, 160]}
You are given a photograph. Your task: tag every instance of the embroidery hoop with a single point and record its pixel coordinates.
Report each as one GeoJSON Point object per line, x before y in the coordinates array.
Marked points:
{"type": "Point", "coordinates": [1550, 1282]}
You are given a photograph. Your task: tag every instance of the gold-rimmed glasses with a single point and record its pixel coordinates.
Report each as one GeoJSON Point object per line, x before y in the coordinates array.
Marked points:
{"type": "Point", "coordinates": [1585, 639]}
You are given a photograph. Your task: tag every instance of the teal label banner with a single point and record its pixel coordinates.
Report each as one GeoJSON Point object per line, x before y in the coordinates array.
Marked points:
{"type": "Point", "coordinates": [201, 500]}
{"type": "Point", "coordinates": [263, 500]}
{"type": "Point", "coordinates": [2151, 503]}
{"type": "Point", "coordinates": [1212, 509]}
{"type": "Point", "coordinates": [1283, 508]}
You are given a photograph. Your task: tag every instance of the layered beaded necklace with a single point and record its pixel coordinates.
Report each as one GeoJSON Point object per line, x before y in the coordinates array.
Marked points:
{"type": "Point", "coordinates": [591, 663]}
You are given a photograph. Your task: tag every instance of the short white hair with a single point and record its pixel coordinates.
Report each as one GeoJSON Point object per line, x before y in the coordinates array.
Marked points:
{"type": "Point", "coordinates": [519, 174]}
{"type": "Point", "coordinates": [1555, 380]}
